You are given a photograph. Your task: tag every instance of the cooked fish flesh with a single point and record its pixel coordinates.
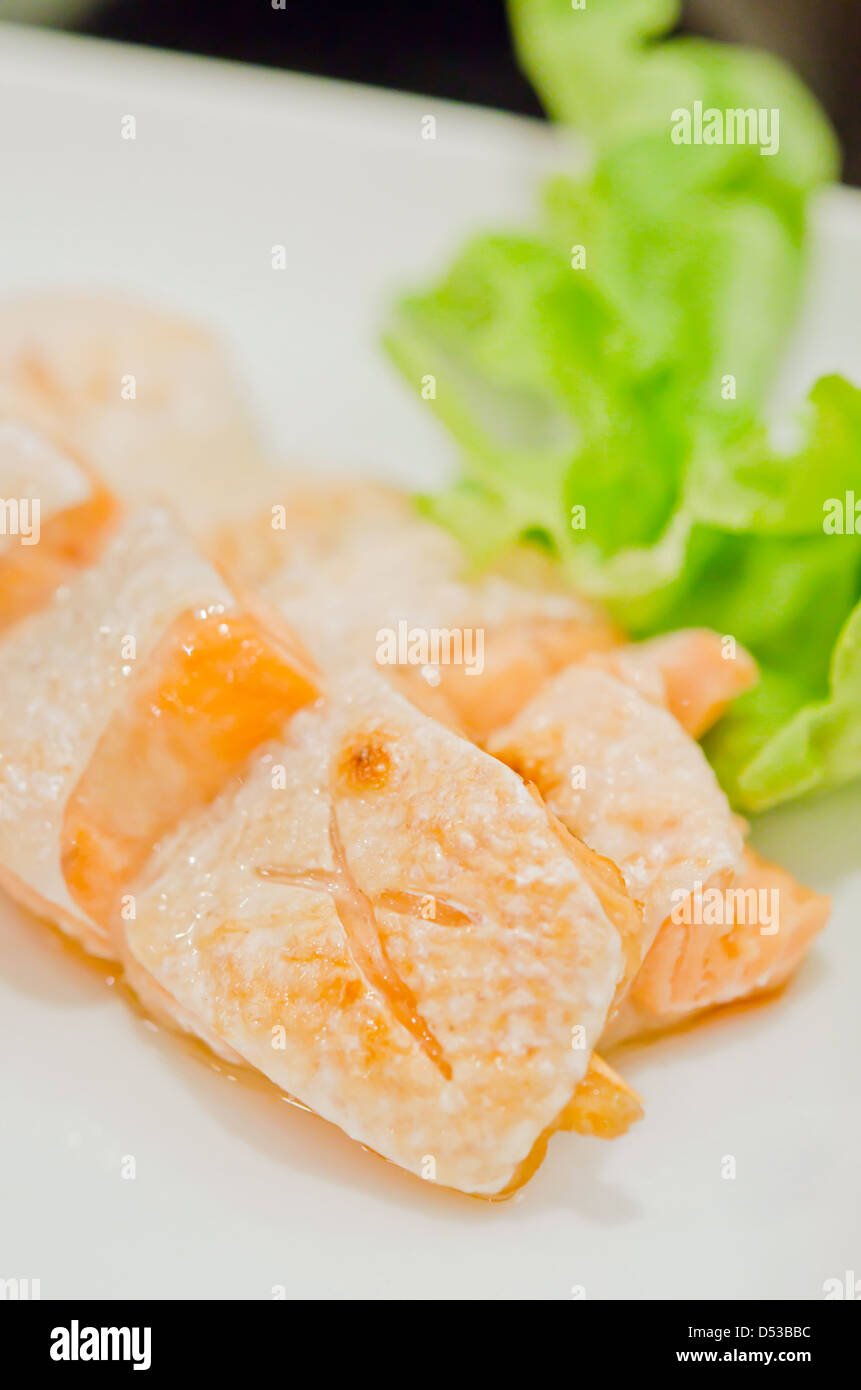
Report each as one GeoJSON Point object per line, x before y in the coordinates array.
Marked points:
{"type": "Point", "coordinates": [356, 572]}
{"type": "Point", "coordinates": [109, 722]}
{"type": "Point", "coordinates": [385, 921]}
{"type": "Point", "coordinates": [148, 398]}
{"type": "Point", "coordinates": [57, 517]}
{"type": "Point", "coordinates": [460, 937]}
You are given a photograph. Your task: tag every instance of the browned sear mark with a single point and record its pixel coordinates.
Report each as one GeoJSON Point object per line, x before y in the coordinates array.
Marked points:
{"type": "Point", "coordinates": [365, 765]}
{"type": "Point", "coordinates": [362, 930]}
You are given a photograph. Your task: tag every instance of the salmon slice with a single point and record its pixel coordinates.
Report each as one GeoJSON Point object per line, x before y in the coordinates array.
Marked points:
{"type": "Point", "coordinates": [768, 921]}
{"type": "Point", "coordinates": [383, 920]}
{"type": "Point", "coordinates": [623, 776]}
{"type": "Point", "coordinates": [148, 398]}
{"type": "Point", "coordinates": [86, 680]}
{"type": "Point", "coordinates": [693, 673]}
{"type": "Point", "coordinates": [469, 652]}
{"type": "Point", "coordinates": [68, 515]}
{"type": "Point", "coordinates": [213, 691]}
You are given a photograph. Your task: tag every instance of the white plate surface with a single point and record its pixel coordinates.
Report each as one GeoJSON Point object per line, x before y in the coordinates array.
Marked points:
{"type": "Point", "coordinates": [235, 1193]}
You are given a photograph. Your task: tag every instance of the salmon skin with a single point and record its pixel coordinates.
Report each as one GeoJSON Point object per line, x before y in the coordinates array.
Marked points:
{"type": "Point", "coordinates": [623, 775]}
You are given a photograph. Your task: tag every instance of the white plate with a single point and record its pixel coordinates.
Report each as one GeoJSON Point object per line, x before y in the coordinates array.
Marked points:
{"type": "Point", "coordinates": [236, 1193]}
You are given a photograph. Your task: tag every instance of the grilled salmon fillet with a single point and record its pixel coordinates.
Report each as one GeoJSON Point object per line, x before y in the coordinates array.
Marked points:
{"type": "Point", "coordinates": [385, 922]}
{"type": "Point", "coordinates": [321, 875]}
{"type": "Point", "coordinates": [420, 907]}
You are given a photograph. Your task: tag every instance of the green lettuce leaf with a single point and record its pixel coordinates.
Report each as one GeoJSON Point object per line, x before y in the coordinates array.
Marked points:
{"type": "Point", "coordinates": [604, 375]}
{"type": "Point", "coordinates": [774, 746]}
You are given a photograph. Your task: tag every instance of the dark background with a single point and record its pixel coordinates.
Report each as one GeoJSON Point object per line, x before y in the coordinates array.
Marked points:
{"type": "Point", "coordinates": [460, 48]}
